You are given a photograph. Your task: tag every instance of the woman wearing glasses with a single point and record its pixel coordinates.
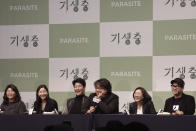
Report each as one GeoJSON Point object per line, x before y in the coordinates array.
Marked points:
{"type": "Point", "coordinates": [143, 103]}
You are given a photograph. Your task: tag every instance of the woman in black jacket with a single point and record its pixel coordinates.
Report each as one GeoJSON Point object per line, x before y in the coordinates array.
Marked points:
{"type": "Point", "coordinates": [143, 102]}
{"type": "Point", "coordinates": [43, 102]}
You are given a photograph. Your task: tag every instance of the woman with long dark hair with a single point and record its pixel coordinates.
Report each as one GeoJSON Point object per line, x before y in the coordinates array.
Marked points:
{"type": "Point", "coordinates": [143, 102]}
{"type": "Point", "coordinates": [12, 103]}
{"type": "Point", "coordinates": [43, 101]}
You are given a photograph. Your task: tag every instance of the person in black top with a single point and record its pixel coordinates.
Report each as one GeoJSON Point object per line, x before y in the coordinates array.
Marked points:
{"type": "Point", "coordinates": [103, 101]}
{"type": "Point", "coordinates": [180, 103]}
{"type": "Point", "coordinates": [43, 101]}
{"type": "Point", "coordinates": [80, 103]}
{"type": "Point", "coordinates": [143, 102]}
{"type": "Point", "coordinates": [12, 103]}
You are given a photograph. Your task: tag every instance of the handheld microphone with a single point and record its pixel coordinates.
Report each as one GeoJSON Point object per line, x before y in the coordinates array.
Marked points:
{"type": "Point", "coordinates": [95, 99]}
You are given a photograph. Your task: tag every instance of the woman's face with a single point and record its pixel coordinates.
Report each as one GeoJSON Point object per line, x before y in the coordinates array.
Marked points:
{"type": "Point", "coordinates": [10, 93]}
{"type": "Point", "coordinates": [138, 96]}
{"type": "Point", "coordinates": [42, 93]}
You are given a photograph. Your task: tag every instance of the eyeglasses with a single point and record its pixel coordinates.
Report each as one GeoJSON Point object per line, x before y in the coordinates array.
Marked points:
{"type": "Point", "coordinates": [174, 86]}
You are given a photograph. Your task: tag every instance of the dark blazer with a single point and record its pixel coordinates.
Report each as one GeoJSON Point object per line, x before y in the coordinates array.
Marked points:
{"type": "Point", "coordinates": [186, 104]}
{"type": "Point", "coordinates": [51, 105]}
{"type": "Point", "coordinates": [84, 107]}
{"type": "Point", "coordinates": [148, 108]}
{"type": "Point", "coordinates": [108, 105]}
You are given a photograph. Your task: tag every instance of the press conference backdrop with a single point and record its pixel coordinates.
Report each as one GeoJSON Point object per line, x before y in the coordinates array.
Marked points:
{"type": "Point", "coordinates": [130, 42]}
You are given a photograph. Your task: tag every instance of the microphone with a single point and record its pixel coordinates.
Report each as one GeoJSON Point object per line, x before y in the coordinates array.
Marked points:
{"type": "Point", "coordinates": [160, 111]}
{"type": "Point", "coordinates": [95, 99]}
{"type": "Point", "coordinates": [124, 107]}
{"type": "Point", "coordinates": [31, 110]}
{"type": "Point", "coordinates": [55, 110]}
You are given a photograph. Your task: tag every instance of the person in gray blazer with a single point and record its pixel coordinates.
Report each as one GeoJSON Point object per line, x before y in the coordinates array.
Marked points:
{"type": "Point", "coordinates": [12, 103]}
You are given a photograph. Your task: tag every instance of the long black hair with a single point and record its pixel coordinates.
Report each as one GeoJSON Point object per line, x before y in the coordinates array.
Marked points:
{"type": "Point", "coordinates": [38, 99]}
{"type": "Point", "coordinates": [17, 97]}
{"type": "Point", "coordinates": [38, 102]}
{"type": "Point", "coordinates": [145, 94]}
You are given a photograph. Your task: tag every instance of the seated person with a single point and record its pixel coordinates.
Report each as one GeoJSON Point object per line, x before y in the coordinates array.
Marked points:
{"type": "Point", "coordinates": [103, 101]}
{"type": "Point", "coordinates": [179, 103]}
{"type": "Point", "coordinates": [80, 103]}
{"type": "Point", "coordinates": [143, 103]}
{"type": "Point", "coordinates": [43, 101]}
{"type": "Point", "coordinates": [12, 103]}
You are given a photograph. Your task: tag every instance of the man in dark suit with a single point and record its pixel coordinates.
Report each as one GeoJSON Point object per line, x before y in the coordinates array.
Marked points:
{"type": "Point", "coordinates": [103, 101]}
{"type": "Point", "coordinates": [81, 103]}
{"type": "Point", "coordinates": [179, 103]}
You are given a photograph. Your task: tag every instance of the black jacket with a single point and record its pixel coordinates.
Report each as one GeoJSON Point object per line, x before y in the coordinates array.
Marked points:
{"type": "Point", "coordinates": [84, 106]}
{"type": "Point", "coordinates": [108, 105]}
{"type": "Point", "coordinates": [148, 108]}
{"type": "Point", "coordinates": [51, 105]}
{"type": "Point", "coordinates": [186, 104]}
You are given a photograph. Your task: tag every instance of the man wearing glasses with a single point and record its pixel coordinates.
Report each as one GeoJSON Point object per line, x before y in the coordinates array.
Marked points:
{"type": "Point", "coordinates": [180, 103]}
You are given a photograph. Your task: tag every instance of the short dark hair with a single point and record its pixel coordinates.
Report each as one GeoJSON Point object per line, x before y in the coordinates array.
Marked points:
{"type": "Point", "coordinates": [145, 94]}
{"type": "Point", "coordinates": [104, 83]}
{"type": "Point", "coordinates": [17, 96]}
{"type": "Point", "coordinates": [178, 81]}
{"type": "Point", "coordinates": [79, 80]}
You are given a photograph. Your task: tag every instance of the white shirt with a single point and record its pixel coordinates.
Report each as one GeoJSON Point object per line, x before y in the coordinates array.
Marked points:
{"type": "Point", "coordinates": [140, 111]}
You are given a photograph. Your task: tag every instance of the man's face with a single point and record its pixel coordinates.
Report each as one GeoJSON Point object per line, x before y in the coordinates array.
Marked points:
{"type": "Point", "coordinates": [79, 89]}
{"type": "Point", "coordinates": [100, 91]}
{"type": "Point", "coordinates": [176, 90]}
